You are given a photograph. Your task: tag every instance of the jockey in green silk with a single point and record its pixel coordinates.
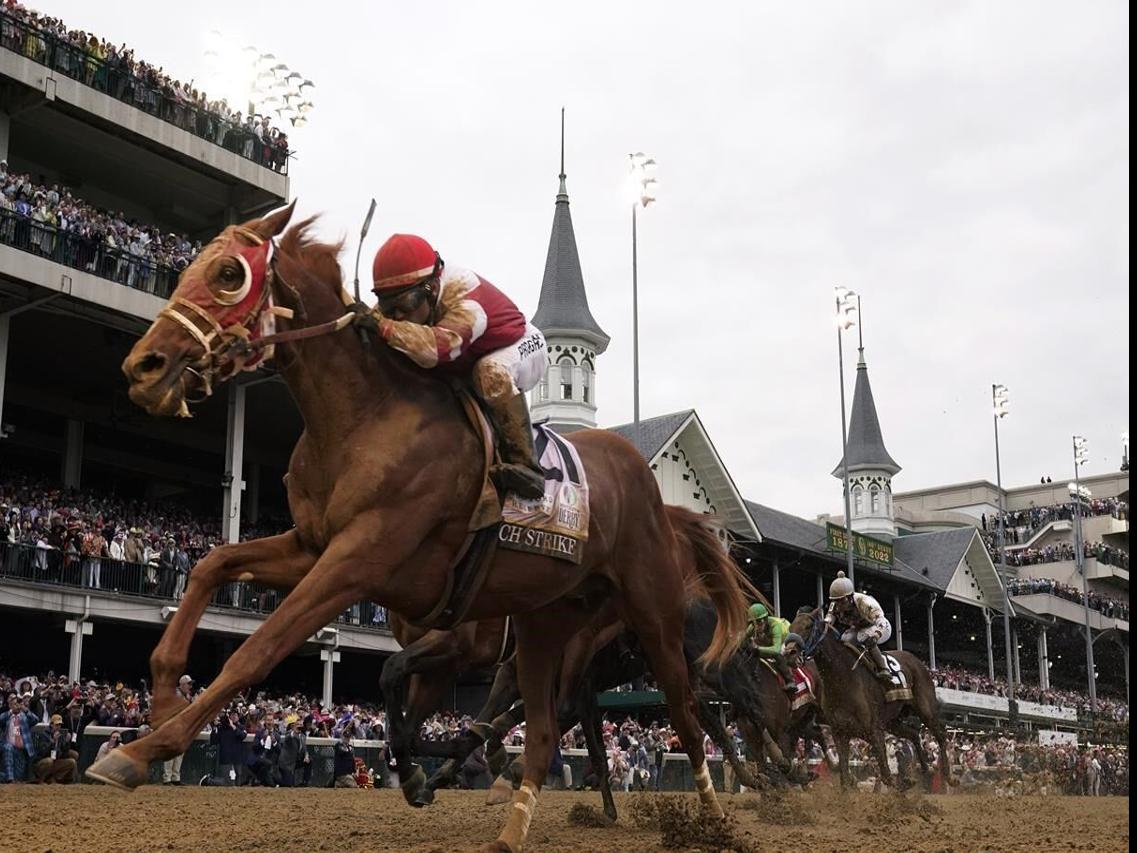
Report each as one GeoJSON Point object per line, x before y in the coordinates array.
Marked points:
{"type": "Point", "coordinates": [768, 633]}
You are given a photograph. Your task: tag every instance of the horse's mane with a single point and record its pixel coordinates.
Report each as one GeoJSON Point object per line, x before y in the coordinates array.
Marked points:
{"type": "Point", "coordinates": [319, 258]}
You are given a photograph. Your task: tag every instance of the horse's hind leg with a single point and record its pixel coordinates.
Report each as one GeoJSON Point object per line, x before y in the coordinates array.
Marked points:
{"type": "Point", "coordinates": [276, 561]}
{"type": "Point", "coordinates": [842, 741]}
{"type": "Point", "coordinates": [540, 644]}
{"type": "Point", "coordinates": [594, 739]}
{"type": "Point", "coordinates": [878, 748]}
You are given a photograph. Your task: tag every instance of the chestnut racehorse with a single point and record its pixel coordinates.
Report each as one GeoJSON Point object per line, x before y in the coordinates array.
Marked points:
{"type": "Point", "coordinates": [853, 701]}
{"type": "Point", "coordinates": [381, 486]}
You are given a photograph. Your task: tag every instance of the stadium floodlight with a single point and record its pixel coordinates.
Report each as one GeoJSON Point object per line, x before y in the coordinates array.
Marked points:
{"type": "Point", "coordinates": [846, 308]}
{"type": "Point", "coordinates": [1002, 400]}
{"type": "Point", "coordinates": [1081, 451]}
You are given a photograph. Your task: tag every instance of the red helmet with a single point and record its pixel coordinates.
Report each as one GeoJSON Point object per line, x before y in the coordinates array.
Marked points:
{"type": "Point", "coordinates": [402, 260]}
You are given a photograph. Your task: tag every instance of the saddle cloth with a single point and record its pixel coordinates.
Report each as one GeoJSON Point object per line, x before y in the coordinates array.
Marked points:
{"type": "Point", "coordinates": [555, 525]}
{"type": "Point", "coordinates": [804, 692]}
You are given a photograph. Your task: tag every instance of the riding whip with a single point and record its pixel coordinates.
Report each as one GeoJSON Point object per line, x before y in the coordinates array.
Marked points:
{"type": "Point", "coordinates": [359, 307]}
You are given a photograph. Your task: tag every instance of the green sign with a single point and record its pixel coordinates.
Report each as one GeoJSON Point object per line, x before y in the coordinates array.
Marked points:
{"type": "Point", "coordinates": [864, 547]}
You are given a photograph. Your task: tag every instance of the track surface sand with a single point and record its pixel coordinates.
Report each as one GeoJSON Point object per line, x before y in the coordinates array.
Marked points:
{"type": "Point", "coordinates": [90, 818]}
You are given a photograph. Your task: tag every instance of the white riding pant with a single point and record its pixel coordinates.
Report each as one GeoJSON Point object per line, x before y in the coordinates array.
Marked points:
{"type": "Point", "coordinates": [876, 633]}
{"type": "Point", "coordinates": [514, 369]}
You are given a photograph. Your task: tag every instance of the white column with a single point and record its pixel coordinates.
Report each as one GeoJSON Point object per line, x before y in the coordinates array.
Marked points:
{"type": "Point", "coordinates": [330, 657]}
{"type": "Point", "coordinates": [4, 327]}
{"type": "Point", "coordinates": [899, 632]}
{"type": "Point", "coordinates": [777, 589]}
{"type": "Point", "coordinates": [990, 646]}
{"type": "Point", "coordinates": [73, 454]}
{"type": "Point", "coordinates": [234, 482]}
{"type": "Point", "coordinates": [820, 591]}
{"type": "Point", "coordinates": [1015, 655]}
{"type": "Point", "coordinates": [931, 634]}
{"type": "Point", "coordinates": [77, 628]}
{"type": "Point", "coordinates": [1043, 660]}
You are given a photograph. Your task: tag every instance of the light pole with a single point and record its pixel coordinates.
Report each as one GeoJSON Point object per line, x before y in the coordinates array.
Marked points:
{"type": "Point", "coordinates": [1000, 402]}
{"type": "Point", "coordinates": [642, 185]}
{"type": "Point", "coordinates": [845, 321]}
{"type": "Point", "coordinates": [1081, 456]}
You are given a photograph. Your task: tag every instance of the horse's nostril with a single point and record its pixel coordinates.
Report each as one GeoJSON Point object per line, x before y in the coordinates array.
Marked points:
{"type": "Point", "coordinates": [149, 363]}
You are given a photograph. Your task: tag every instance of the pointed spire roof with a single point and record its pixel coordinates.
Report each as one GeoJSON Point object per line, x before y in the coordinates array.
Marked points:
{"type": "Point", "coordinates": [563, 306]}
{"type": "Point", "coordinates": [865, 444]}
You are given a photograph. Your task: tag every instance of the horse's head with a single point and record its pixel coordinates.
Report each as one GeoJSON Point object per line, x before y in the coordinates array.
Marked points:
{"type": "Point", "coordinates": [216, 311]}
{"type": "Point", "coordinates": [809, 624]}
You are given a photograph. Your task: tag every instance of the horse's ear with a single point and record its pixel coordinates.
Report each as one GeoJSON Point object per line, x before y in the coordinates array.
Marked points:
{"type": "Point", "coordinates": [805, 608]}
{"type": "Point", "coordinates": [274, 223]}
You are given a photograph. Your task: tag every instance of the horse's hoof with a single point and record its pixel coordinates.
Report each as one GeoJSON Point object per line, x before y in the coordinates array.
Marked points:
{"type": "Point", "coordinates": [120, 771]}
{"type": "Point", "coordinates": [501, 791]}
{"type": "Point", "coordinates": [413, 787]}
{"type": "Point", "coordinates": [498, 846]}
{"type": "Point", "coordinates": [424, 797]}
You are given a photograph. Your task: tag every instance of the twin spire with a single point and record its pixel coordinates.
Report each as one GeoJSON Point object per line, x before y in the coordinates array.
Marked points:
{"type": "Point", "coordinates": [563, 309]}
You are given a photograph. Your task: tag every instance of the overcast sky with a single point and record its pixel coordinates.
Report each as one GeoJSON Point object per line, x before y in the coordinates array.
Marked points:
{"type": "Point", "coordinates": [963, 166]}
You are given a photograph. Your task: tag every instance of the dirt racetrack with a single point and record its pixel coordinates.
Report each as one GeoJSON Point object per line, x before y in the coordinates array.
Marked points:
{"type": "Point", "coordinates": [89, 818]}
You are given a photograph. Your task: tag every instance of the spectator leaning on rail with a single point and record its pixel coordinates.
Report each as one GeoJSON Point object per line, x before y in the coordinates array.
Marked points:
{"type": "Point", "coordinates": [442, 317]}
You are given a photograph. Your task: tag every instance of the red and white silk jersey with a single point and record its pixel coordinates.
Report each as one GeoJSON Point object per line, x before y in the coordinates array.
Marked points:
{"type": "Point", "coordinates": [474, 319]}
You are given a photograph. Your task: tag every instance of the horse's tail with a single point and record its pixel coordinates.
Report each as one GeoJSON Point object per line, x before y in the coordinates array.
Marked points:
{"type": "Point", "coordinates": [709, 571]}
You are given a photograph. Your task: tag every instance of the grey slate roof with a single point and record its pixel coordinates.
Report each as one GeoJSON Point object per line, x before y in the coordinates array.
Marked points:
{"type": "Point", "coordinates": [563, 306]}
{"type": "Point", "coordinates": [865, 444]}
{"type": "Point", "coordinates": [938, 551]}
{"type": "Point", "coordinates": [786, 529]}
{"type": "Point", "coordinates": [654, 432]}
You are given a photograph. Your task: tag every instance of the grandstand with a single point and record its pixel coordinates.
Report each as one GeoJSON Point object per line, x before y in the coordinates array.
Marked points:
{"type": "Point", "coordinates": [107, 197]}
{"type": "Point", "coordinates": [108, 194]}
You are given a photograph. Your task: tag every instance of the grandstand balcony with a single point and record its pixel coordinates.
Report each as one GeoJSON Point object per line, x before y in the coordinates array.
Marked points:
{"type": "Point", "coordinates": [1044, 604]}
{"type": "Point", "coordinates": [48, 581]}
{"type": "Point", "coordinates": [74, 127]}
{"type": "Point", "coordinates": [1115, 575]}
{"type": "Point", "coordinates": [38, 264]}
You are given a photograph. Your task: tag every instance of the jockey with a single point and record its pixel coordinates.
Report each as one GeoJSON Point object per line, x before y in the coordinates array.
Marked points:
{"type": "Point", "coordinates": [454, 318]}
{"type": "Point", "coordinates": [772, 630]}
{"type": "Point", "coordinates": [862, 619]}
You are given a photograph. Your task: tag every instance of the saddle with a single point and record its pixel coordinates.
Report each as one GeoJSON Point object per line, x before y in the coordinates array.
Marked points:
{"type": "Point", "coordinates": [804, 691]}
{"type": "Point", "coordinates": [555, 526]}
{"type": "Point", "coordinates": [899, 690]}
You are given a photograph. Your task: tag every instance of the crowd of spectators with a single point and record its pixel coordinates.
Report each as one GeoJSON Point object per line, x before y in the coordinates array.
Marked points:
{"type": "Point", "coordinates": [1060, 552]}
{"type": "Point", "coordinates": [115, 70]}
{"type": "Point", "coordinates": [49, 221]}
{"type": "Point", "coordinates": [98, 540]}
{"type": "Point", "coordinates": [1021, 524]}
{"type": "Point", "coordinates": [959, 678]}
{"type": "Point", "coordinates": [1104, 604]}
{"type": "Point", "coordinates": [1019, 765]}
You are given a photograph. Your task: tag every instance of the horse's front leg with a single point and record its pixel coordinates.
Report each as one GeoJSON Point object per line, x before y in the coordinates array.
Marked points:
{"type": "Point", "coordinates": [842, 741]}
{"type": "Point", "coordinates": [276, 561]}
{"type": "Point", "coordinates": [342, 576]}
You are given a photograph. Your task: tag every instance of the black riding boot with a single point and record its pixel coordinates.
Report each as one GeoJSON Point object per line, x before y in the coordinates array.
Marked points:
{"type": "Point", "coordinates": [518, 471]}
{"type": "Point", "coordinates": [882, 670]}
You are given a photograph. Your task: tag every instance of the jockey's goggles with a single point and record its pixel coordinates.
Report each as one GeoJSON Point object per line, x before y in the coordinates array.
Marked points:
{"type": "Point", "coordinates": [403, 301]}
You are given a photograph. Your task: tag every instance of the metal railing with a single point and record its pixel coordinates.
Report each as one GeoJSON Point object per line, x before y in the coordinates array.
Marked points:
{"type": "Point", "coordinates": [51, 567]}
{"type": "Point", "coordinates": [116, 79]}
{"type": "Point", "coordinates": [91, 255]}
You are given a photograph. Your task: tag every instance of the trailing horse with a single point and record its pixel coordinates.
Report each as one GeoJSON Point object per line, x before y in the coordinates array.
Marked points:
{"type": "Point", "coordinates": [382, 486]}
{"type": "Point", "coordinates": [853, 699]}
